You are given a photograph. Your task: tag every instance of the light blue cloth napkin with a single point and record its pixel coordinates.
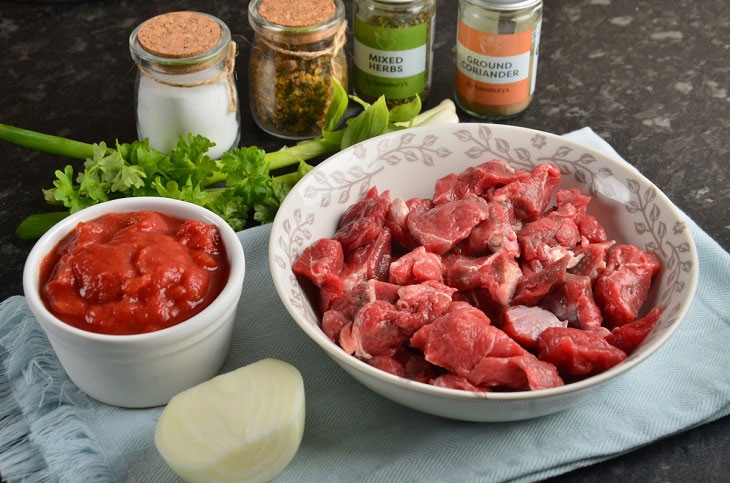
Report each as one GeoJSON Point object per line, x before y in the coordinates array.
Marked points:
{"type": "Point", "coordinates": [51, 429]}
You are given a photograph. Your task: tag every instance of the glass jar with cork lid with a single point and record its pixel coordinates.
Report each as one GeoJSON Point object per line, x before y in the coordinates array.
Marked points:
{"type": "Point", "coordinates": [496, 56]}
{"type": "Point", "coordinates": [185, 81]}
{"type": "Point", "coordinates": [298, 48]}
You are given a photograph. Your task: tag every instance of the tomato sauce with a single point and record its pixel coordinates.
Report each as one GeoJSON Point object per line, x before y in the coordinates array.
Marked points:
{"type": "Point", "coordinates": [131, 273]}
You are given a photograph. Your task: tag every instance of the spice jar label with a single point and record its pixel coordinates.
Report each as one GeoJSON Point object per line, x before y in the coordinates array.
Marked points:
{"type": "Point", "coordinates": [493, 69]}
{"type": "Point", "coordinates": [390, 61]}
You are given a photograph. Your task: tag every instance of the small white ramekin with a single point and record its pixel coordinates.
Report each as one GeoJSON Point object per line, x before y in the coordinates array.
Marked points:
{"type": "Point", "coordinates": [141, 370]}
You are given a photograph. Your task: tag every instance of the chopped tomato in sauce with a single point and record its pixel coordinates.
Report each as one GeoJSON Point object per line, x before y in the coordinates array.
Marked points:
{"type": "Point", "coordinates": [131, 273]}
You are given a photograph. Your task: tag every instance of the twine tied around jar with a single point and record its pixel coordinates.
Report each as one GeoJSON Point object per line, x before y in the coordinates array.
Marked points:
{"type": "Point", "coordinates": [228, 71]}
{"type": "Point", "coordinates": [332, 51]}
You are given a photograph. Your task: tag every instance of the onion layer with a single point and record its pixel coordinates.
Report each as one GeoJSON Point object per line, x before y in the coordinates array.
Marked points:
{"type": "Point", "coordinates": [245, 425]}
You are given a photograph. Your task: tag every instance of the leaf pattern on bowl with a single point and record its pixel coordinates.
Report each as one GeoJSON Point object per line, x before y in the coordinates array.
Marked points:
{"type": "Point", "coordinates": [406, 150]}
{"type": "Point", "coordinates": [296, 235]}
{"type": "Point", "coordinates": [674, 254]}
{"type": "Point", "coordinates": [486, 144]}
{"type": "Point", "coordinates": [339, 185]}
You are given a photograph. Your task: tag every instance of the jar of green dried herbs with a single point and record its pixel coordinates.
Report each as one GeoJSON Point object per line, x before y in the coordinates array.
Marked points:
{"type": "Point", "coordinates": [393, 49]}
{"type": "Point", "coordinates": [298, 48]}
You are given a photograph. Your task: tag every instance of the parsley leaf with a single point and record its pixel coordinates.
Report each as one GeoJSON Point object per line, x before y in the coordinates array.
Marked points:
{"type": "Point", "coordinates": [66, 193]}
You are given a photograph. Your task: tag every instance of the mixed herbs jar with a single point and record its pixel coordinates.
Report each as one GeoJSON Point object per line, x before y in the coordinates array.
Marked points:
{"type": "Point", "coordinates": [185, 81]}
{"type": "Point", "coordinates": [298, 48]}
{"type": "Point", "coordinates": [393, 49]}
{"type": "Point", "coordinates": [496, 56]}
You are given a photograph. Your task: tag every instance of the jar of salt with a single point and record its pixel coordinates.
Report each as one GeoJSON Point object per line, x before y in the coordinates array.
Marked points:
{"type": "Point", "coordinates": [185, 81]}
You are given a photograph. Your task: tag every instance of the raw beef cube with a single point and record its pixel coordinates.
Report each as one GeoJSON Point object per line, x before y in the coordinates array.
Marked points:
{"type": "Point", "coordinates": [404, 363]}
{"type": "Point", "coordinates": [452, 381]}
{"type": "Point", "coordinates": [343, 309]}
{"type": "Point", "coordinates": [577, 352]}
{"type": "Point", "coordinates": [573, 301]}
{"type": "Point", "coordinates": [540, 236]}
{"type": "Point", "coordinates": [529, 198]}
{"type": "Point", "coordinates": [397, 219]}
{"type": "Point", "coordinates": [374, 330]}
{"type": "Point", "coordinates": [458, 340]}
{"type": "Point", "coordinates": [572, 201]}
{"type": "Point", "coordinates": [330, 290]}
{"type": "Point", "coordinates": [499, 274]}
{"type": "Point", "coordinates": [624, 285]}
{"type": "Point", "coordinates": [455, 341]}
{"type": "Point", "coordinates": [443, 226]}
{"type": "Point", "coordinates": [332, 323]}
{"type": "Point", "coordinates": [464, 273]}
{"type": "Point", "coordinates": [416, 267]}
{"type": "Point", "coordinates": [419, 205]}
{"type": "Point", "coordinates": [448, 188]}
{"type": "Point", "coordinates": [319, 261]}
{"type": "Point", "coordinates": [525, 324]}
{"type": "Point", "coordinates": [382, 291]}
{"type": "Point", "coordinates": [476, 180]}
{"type": "Point", "coordinates": [535, 285]}
{"type": "Point", "coordinates": [591, 229]}
{"type": "Point", "coordinates": [629, 336]}
{"type": "Point", "coordinates": [362, 222]}
{"type": "Point", "coordinates": [368, 262]}
{"type": "Point", "coordinates": [352, 300]}
{"type": "Point", "coordinates": [502, 278]}
{"type": "Point", "coordinates": [498, 172]}
{"type": "Point", "coordinates": [518, 372]}
{"type": "Point", "coordinates": [495, 234]}
{"type": "Point", "coordinates": [592, 259]}
{"type": "Point", "coordinates": [421, 304]}
{"type": "Point", "coordinates": [574, 198]}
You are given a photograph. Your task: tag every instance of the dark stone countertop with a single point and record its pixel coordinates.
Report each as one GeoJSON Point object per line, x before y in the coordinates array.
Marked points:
{"type": "Point", "coordinates": [651, 77]}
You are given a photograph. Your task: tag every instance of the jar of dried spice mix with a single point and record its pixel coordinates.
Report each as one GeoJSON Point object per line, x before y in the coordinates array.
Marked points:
{"type": "Point", "coordinates": [185, 81]}
{"type": "Point", "coordinates": [297, 49]}
{"type": "Point", "coordinates": [393, 49]}
{"type": "Point", "coordinates": [496, 56]}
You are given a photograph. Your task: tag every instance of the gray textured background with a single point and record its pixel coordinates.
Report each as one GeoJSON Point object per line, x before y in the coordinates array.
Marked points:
{"type": "Point", "coordinates": [651, 77]}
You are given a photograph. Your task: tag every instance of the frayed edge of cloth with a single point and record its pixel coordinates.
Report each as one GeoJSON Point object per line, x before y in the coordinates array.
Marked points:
{"type": "Point", "coordinates": [34, 387]}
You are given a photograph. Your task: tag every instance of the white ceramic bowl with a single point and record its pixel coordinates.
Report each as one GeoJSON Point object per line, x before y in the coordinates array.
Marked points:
{"type": "Point", "coordinates": [141, 370]}
{"type": "Point", "coordinates": [408, 163]}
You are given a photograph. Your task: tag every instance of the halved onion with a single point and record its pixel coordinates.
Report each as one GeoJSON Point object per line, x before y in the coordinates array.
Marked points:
{"type": "Point", "coordinates": [245, 425]}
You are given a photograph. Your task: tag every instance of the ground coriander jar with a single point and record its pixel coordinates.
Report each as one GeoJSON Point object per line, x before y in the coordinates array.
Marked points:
{"type": "Point", "coordinates": [393, 49]}
{"type": "Point", "coordinates": [496, 56]}
{"type": "Point", "coordinates": [298, 48]}
{"type": "Point", "coordinates": [185, 81]}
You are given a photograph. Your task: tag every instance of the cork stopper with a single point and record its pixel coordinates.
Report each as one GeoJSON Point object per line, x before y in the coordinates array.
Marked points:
{"type": "Point", "coordinates": [179, 35]}
{"type": "Point", "coordinates": [297, 13]}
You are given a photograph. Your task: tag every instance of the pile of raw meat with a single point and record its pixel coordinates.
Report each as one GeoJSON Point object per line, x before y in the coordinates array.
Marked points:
{"type": "Point", "coordinates": [482, 288]}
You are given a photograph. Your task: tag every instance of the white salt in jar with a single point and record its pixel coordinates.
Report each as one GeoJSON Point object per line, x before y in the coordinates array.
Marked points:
{"type": "Point", "coordinates": [185, 81]}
